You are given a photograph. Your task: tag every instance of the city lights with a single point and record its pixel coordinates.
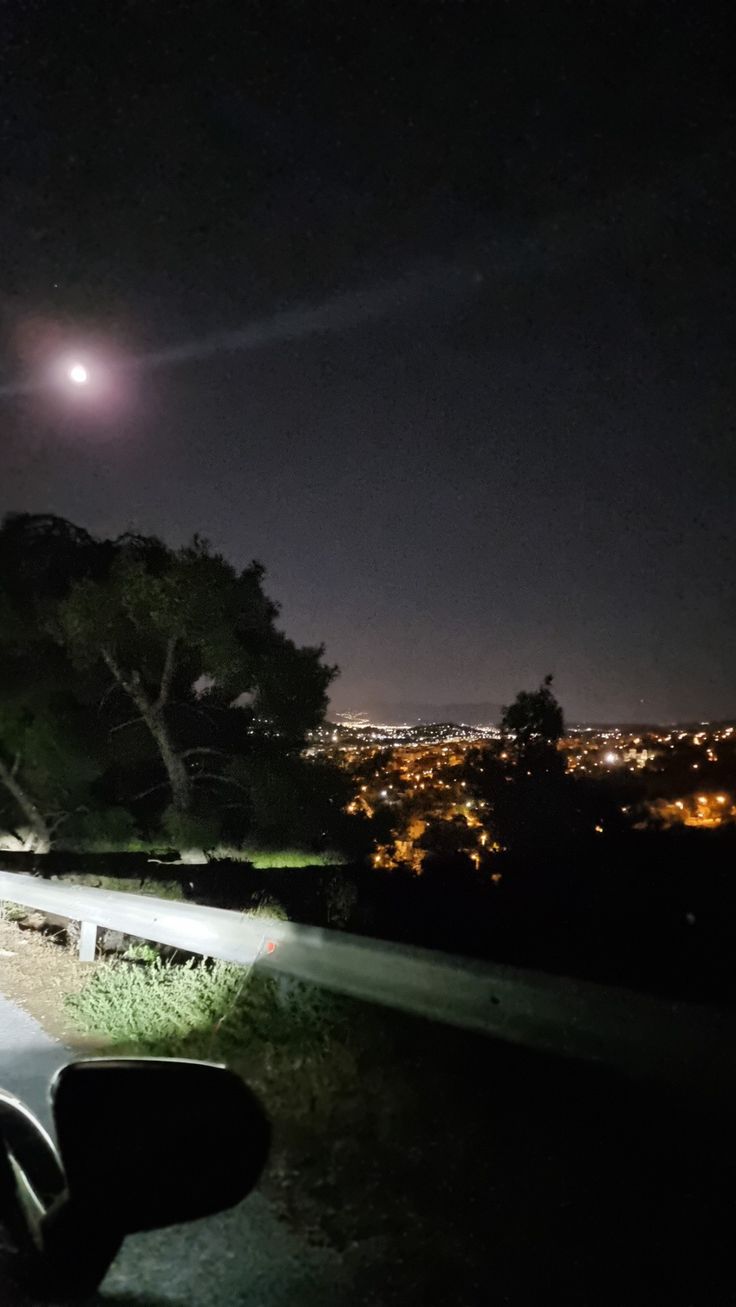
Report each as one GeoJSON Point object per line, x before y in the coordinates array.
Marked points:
{"type": "Point", "coordinates": [420, 772]}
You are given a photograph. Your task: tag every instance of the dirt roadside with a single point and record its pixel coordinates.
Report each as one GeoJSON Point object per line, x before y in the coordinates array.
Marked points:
{"type": "Point", "coordinates": [37, 972]}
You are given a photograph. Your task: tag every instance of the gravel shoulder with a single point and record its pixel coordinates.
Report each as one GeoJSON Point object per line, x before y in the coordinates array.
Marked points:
{"type": "Point", "coordinates": [37, 970]}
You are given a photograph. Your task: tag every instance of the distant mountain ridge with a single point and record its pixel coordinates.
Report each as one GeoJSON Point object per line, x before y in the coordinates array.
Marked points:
{"type": "Point", "coordinates": [423, 714]}
{"type": "Point", "coordinates": [489, 714]}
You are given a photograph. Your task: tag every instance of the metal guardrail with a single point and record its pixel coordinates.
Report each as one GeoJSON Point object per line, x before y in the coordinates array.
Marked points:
{"type": "Point", "coordinates": [214, 932]}
{"type": "Point", "coordinates": [670, 1041]}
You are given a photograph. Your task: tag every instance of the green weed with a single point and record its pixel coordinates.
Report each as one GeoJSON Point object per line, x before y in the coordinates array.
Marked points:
{"type": "Point", "coordinates": [288, 1039]}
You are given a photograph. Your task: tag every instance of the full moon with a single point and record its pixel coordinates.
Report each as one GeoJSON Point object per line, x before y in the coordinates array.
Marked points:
{"type": "Point", "coordinates": [78, 374]}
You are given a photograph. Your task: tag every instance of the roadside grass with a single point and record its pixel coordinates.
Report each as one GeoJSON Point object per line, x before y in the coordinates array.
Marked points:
{"type": "Point", "coordinates": [12, 911]}
{"type": "Point", "coordinates": [289, 1040]}
{"type": "Point", "coordinates": [286, 858]}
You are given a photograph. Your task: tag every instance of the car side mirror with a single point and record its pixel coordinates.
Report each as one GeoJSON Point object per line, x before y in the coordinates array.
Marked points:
{"type": "Point", "coordinates": [155, 1141]}
{"type": "Point", "coordinates": [142, 1143]}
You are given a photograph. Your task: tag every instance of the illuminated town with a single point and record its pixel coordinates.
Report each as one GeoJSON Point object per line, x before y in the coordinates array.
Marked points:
{"type": "Point", "coordinates": [416, 776]}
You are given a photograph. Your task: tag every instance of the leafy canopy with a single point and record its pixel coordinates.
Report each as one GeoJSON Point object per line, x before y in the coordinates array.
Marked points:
{"type": "Point", "coordinates": [160, 684]}
{"type": "Point", "coordinates": [534, 721]}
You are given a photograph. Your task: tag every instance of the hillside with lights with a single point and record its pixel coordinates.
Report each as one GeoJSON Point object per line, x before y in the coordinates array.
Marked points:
{"type": "Point", "coordinates": [416, 775]}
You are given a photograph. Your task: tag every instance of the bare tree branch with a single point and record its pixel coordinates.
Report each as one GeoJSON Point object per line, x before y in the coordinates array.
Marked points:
{"type": "Point", "coordinates": [122, 725]}
{"type": "Point", "coordinates": [110, 690]}
{"type": "Point", "coordinates": [116, 669]}
{"type": "Point", "coordinates": [26, 803]}
{"type": "Point", "coordinates": [58, 821]}
{"type": "Point", "coordinates": [132, 686]}
{"type": "Point", "coordinates": [111, 662]}
{"type": "Point", "coordinates": [162, 785]}
{"type": "Point", "coordinates": [16, 765]}
{"type": "Point", "coordinates": [224, 780]}
{"type": "Point", "coordinates": [167, 674]}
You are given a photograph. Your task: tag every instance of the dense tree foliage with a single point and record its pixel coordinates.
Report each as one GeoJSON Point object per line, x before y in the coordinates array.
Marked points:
{"type": "Point", "coordinates": [184, 630]}
{"type": "Point", "coordinates": [532, 727]}
{"type": "Point", "coordinates": [534, 807]}
{"type": "Point", "coordinates": [155, 679]}
{"type": "Point", "coordinates": [49, 756]}
{"type": "Point", "coordinates": [46, 767]}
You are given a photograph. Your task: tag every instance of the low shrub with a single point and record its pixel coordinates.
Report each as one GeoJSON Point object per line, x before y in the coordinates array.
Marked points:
{"type": "Point", "coordinates": [265, 859]}
{"type": "Point", "coordinates": [154, 1005]}
{"type": "Point", "coordinates": [12, 911]}
{"type": "Point", "coordinates": [98, 831]}
{"type": "Point", "coordinates": [288, 1039]}
{"type": "Point", "coordinates": [270, 908]}
{"type": "Point", "coordinates": [190, 833]}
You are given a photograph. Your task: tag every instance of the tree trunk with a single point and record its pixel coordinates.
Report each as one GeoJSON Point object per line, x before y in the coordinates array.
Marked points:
{"type": "Point", "coordinates": [173, 762]}
{"type": "Point", "coordinates": [152, 713]}
{"type": "Point", "coordinates": [32, 813]}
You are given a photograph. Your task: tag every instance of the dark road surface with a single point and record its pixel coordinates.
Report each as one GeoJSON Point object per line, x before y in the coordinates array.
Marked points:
{"type": "Point", "coordinates": [243, 1256]}
{"type": "Point", "coordinates": [509, 1177]}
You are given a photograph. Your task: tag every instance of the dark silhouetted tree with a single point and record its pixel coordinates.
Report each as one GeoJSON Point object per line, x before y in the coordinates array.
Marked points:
{"type": "Point", "coordinates": [49, 756]}
{"type": "Point", "coordinates": [523, 782]}
{"type": "Point", "coordinates": [193, 684]}
{"type": "Point", "coordinates": [166, 625]}
{"type": "Point", "coordinates": [532, 727]}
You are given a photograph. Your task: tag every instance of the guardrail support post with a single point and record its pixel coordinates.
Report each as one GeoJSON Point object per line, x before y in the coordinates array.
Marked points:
{"type": "Point", "coordinates": [87, 941]}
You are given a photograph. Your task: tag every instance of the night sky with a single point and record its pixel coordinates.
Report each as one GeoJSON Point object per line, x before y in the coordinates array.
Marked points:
{"type": "Point", "coordinates": [480, 424]}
